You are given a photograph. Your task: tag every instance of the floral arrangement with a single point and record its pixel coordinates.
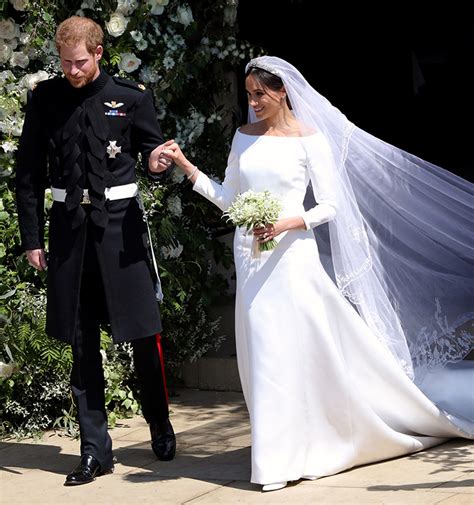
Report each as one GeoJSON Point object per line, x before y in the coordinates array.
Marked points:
{"type": "Point", "coordinates": [184, 52]}
{"type": "Point", "coordinates": [252, 209]}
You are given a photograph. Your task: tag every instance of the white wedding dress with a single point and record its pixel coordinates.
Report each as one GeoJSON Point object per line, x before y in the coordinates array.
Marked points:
{"type": "Point", "coordinates": [323, 393]}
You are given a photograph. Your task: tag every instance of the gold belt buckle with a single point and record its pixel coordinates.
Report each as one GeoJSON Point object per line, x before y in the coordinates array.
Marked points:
{"type": "Point", "coordinates": [85, 197]}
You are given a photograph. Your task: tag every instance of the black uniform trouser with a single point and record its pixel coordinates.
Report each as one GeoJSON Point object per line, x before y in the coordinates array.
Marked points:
{"type": "Point", "coordinates": [87, 376]}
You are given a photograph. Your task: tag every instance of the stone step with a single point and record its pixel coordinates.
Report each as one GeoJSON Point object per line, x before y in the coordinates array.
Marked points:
{"type": "Point", "coordinates": [213, 374]}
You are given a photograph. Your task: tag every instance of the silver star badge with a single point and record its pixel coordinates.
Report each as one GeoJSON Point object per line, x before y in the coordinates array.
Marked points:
{"type": "Point", "coordinates": [113, 149]}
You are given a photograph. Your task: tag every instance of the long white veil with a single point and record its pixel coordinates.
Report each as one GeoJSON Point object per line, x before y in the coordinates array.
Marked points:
{"type": "Point", "coordinates": [402, 242]}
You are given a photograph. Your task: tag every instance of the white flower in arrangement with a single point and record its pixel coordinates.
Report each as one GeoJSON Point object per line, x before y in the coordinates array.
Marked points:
{"type": "Point", "coordinates": [6, 75]}
{"type": "Point", "coordinates": [179, 41]}
{"type": "Point", "coordinates": [172, 252]}
{"type": "Point", "coordinates": [49, 47]}
{"type": "Point", "coordinates": [205, 41]}
{"type": "Point", "coordinates": [168, 62]}
{"type": "Point", "coordinates": [9, 29]}
{"type": "Point", "coordinates": [157, 7]}
{"type": "Point", "coordinates": [126, 7]}
{"type": "Point", "coordinates": [177, 176]}
{"type": "Point", "coordinates": [174, 206]}
{"type": "Point", "coordinates": [136, 35]}
{"type": "Point", "coordinates": [24, 38]}
{"type": "Point", "coordinates": [185, 15]}
{"type": "Point", "coordinates": [129, 62]}
{"type": "Point", "coordinates": [19, 5]}
{"type": "Point", "coordinates": [7, 369]}
{"type": "Point", "coordinates": [19, 59]}
{"type": "Point", "coordinates": [213, 118]}
{"type": "Point", "coordinates": [117, 24]}
{"type": "Point", "coordinates": [9, 146]}
{"type": "Point", "coordinates": [88, 4]}
{"type": "Point", "coordinates": [3, 116]}
{"type": "Point", "coordinates": [104, 356]}
{"type": "Point", "coordinates": [29, 81]}
{"type": "Point", "coordinates": [149, 75]}
{"type": "Point", "coordinates": [230, 14]}
{"type": "Point", "coordinates": [10, 124]}
{"type": "Point", "coordinates": [5, 52]}
{"type": "Point", "coordinates": [142, 45]}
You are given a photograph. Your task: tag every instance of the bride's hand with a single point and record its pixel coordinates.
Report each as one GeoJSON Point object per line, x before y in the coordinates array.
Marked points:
{"type": "Point", "coordinates": [267, 232]}
{"type": "Point", "coordinates": [174, 153]}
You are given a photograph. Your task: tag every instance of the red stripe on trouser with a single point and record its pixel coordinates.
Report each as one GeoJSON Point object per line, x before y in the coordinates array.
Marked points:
{"type": "Point", "coordinates": [160, 352]}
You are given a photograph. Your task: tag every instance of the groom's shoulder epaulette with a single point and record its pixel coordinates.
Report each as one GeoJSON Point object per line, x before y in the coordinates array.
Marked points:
{"type": "Point", "coordinates": [129, 84]}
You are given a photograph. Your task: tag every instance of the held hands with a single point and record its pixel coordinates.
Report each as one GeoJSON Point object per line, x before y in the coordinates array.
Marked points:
{"type": "Point", "coordinates": [174, 153]}
{"type": "Point", "coordinates": [166, 154]}
{"type": "Point", "coordinates": [157, 162]}
{"type": "Point", "coordinates": [37, 259]}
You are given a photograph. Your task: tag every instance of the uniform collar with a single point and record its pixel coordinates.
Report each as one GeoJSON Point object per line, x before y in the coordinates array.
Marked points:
{"type": "Point", "coordinates": [93, 87]}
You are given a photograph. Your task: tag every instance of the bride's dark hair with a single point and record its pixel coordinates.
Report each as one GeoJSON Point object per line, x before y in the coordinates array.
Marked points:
{"type": "Point", "coordinates": [268, 80]}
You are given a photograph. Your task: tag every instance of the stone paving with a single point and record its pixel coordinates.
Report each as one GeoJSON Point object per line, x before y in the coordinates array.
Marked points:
{"type": "Point", "coordinates": [212, 466]}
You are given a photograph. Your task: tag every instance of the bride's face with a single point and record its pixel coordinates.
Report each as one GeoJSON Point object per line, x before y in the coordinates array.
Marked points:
{"type": "Point", "coordinates": [264, 101]}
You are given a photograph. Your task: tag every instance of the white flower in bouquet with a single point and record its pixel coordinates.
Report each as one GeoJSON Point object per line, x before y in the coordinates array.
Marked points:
{"type": "Point", "coordinates": [253, 208]}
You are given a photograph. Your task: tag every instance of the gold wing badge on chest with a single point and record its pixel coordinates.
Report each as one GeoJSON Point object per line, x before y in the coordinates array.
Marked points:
{"type": "Point", "coordinates": [114, 106]}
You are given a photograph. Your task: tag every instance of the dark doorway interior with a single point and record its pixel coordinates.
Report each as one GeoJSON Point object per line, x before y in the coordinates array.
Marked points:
{"type": "Point", "coordinates": [402, 76]}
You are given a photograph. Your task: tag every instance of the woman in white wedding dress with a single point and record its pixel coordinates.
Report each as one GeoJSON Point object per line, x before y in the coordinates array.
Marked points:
{"type": "Point", "coordinates": [329, 383]}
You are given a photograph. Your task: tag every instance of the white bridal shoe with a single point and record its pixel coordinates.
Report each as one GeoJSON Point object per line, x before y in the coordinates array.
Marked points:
{"type": "Point", "coordinates": [274, 486]}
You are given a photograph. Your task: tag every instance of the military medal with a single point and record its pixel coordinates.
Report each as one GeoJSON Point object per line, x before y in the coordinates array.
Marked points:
{"type": "Point", "coordinates": [113, 109]}
{"type": "Point", "coordinates": [113, 149]}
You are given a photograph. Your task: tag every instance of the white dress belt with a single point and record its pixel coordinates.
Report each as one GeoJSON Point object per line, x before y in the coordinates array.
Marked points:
{"type": "Point", "coordinates": [113, 193]}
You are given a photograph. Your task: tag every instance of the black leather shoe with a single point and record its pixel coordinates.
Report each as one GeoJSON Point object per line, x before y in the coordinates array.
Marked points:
{"type": "Point", "coordinates": [87, 470]}
{"type": "Point", "coordinates": [163, 440]}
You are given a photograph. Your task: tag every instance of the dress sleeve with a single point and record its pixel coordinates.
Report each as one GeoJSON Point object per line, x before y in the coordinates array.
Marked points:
{"type": "Point", "coordinates": [223, 194]}
{"type": "Point", "coordinates": [322, 171]}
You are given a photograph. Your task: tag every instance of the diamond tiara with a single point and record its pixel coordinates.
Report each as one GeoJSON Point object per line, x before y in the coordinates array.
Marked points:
{"type": "Point", "coordinates": [257, 63]}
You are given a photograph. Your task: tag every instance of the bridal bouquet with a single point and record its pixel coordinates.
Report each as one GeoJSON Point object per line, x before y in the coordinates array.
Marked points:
{"type": "Point", "coordinates": [253, 209]}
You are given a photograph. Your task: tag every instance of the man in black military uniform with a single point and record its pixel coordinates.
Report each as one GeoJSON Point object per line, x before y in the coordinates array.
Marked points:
{"type": "Point", "coordinates": [81, 136]}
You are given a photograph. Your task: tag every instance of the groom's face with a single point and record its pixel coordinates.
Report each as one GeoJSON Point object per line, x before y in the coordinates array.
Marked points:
{"type": "Point", "coordinates": [80, 67]}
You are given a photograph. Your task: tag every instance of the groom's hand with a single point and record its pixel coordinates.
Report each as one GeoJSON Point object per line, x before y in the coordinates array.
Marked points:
{"type": "Point", "coordinates": [157, 162]}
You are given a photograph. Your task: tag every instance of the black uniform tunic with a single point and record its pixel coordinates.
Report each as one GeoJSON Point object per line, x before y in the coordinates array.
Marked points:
{"type": "Point", "coordinates": [90, 138]}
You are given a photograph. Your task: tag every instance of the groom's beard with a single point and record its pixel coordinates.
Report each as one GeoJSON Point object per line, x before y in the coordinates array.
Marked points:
{"type": "Point", "coordinates": [83, 80]}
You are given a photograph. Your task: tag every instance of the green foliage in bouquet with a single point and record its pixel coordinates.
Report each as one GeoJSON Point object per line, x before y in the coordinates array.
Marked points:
{"type": "Point", "coordinates": [255, 208]}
